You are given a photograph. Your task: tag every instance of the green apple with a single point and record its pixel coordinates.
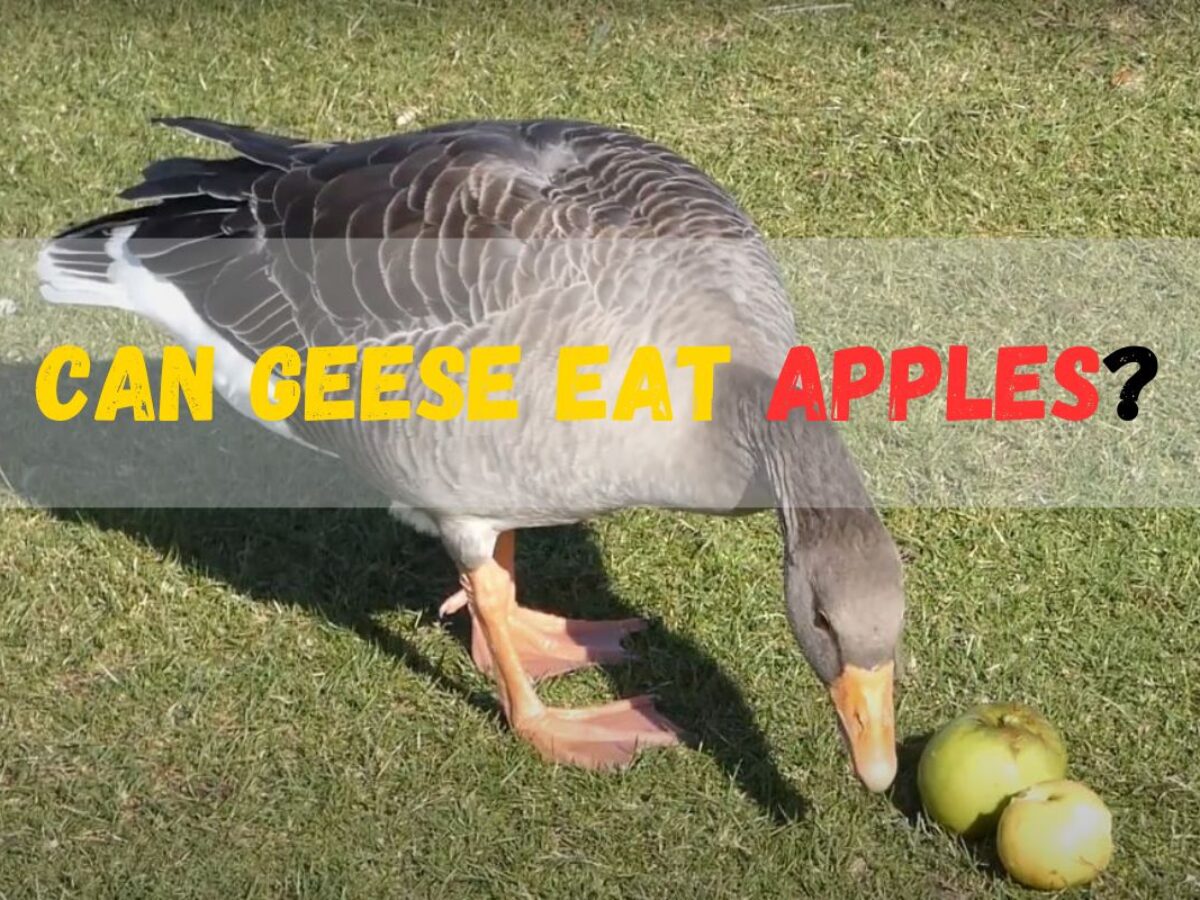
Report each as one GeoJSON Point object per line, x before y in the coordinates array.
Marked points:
{"type": "Point", "coordinates": [1054, 835]}
{"type": "Point", "coordinates": [975, 763]}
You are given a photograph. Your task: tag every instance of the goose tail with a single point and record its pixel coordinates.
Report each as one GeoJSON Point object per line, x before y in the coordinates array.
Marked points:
{"type": "Point", "coordinates": [77, 266]}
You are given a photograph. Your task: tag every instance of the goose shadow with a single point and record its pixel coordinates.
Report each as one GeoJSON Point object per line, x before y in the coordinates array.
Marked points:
{"type": "Point", "coordinates": [349, 562]}
{"type": "Point", "coordinates": [904, 794]}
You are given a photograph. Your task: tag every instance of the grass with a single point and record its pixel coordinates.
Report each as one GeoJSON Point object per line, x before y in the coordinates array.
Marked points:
{"type": "Point", "coordinates": [260, 703]}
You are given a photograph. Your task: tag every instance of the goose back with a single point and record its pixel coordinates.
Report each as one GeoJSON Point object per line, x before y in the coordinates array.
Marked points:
{"type": "Point", "coordinates": [539, 234]}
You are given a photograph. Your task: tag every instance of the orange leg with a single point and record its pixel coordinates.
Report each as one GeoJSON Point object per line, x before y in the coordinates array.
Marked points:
{"type": "Point", "coordinates": [602, 737]}
{"type": "Point", "coordinates": [548, 645]}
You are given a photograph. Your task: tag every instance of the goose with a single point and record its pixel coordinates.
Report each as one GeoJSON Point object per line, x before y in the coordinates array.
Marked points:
{"type": "Point", "coordinates": [538, 234]}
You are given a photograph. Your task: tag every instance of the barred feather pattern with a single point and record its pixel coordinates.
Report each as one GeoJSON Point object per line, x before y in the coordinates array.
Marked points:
{"type": "Point", "coordinates": [539, 233]}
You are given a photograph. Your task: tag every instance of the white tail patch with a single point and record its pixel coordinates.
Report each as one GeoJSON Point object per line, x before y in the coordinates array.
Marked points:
{"type": "Point", "coordinates": [61, 282]}
{"type": "Point", "coordinates": [129, 285]}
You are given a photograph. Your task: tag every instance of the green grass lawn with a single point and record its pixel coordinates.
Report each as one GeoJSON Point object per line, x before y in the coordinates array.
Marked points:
{"type": "Point", "coordinates": [262, 703]}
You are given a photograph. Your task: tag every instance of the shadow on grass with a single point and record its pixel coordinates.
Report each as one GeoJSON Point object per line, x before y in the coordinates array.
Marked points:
{"type": "Point", "coordinates": [347, 565]}
{"type": "Point", "coordinates": [904, 793]}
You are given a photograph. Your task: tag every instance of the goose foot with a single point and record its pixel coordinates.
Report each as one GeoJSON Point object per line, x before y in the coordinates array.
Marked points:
{"type": "Point", "coordinates": [604, 737]}
{"type": "Point", "coordinates": [600, 737]}
{"type": "Point", "coordinates": [550, 645]}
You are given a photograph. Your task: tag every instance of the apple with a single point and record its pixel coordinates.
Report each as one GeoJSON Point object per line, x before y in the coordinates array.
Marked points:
{"type": "Point", "coordinates": [1054, 835]}
{"type": "Point", "coordinates": [976, 762]}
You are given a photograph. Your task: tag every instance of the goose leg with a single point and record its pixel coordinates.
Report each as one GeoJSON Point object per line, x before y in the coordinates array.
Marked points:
{"type": "Point", "coordinates": [601, 737]}
{"type": "Point", "coordinates": [548, 645]}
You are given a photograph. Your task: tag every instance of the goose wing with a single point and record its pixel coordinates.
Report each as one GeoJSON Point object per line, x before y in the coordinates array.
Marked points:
{"type": "Point", "coordinates": [313, 243]}
{"type": "Point", "coordinates": [416, 238]}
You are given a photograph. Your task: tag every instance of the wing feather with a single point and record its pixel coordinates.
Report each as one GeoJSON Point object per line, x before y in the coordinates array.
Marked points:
{"type": "Point", "coordinates": [422, 237]}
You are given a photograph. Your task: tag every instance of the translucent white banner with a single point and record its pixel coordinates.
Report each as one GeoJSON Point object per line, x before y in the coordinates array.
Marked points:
{"type": "Point", "coordinates": [554, 379]}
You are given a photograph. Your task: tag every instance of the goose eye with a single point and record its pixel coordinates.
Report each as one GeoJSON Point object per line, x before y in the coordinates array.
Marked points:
{"type": "Point", "coordinates": [821, 621]}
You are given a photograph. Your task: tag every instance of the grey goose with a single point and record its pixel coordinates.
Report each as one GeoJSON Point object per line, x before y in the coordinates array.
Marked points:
{"type": "Point", "coordinates": [538, 234]}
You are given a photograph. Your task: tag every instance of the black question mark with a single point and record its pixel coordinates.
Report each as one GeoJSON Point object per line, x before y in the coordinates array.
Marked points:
{"type": "Point", "coordinates": [1127, 408]}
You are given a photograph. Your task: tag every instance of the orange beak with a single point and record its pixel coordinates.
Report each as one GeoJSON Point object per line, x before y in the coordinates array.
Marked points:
{"type": "Point", "coordinates": [863, 698]}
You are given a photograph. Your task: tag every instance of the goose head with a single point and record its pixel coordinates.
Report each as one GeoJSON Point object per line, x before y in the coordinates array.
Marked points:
{"type": "Point", "coordinates": [845, 602]}
{"type": "Point", "coordinates": [843, 581]}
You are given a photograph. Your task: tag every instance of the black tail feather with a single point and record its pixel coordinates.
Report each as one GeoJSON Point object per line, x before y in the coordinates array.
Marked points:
{"type": "Point", "coordinates": [226, 179]}
{"type": "Point", "coordinates": [102, 226]}
{"type": "Point", "coordinates": [268, 149]}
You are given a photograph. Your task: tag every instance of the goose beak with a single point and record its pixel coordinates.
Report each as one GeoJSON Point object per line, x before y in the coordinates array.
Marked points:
{"type": "Point", "coordinates": [863, 698]}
